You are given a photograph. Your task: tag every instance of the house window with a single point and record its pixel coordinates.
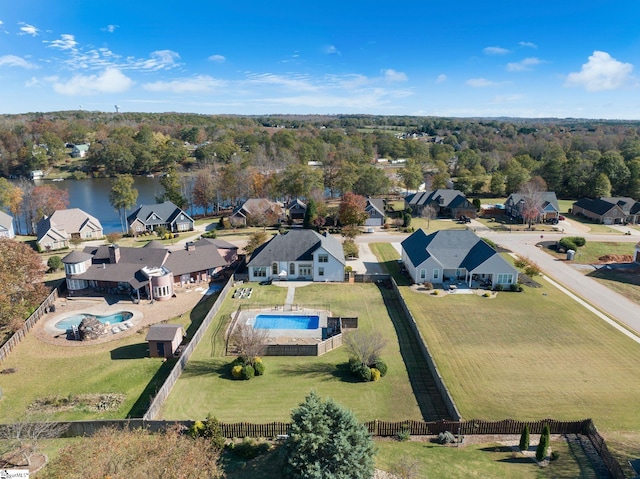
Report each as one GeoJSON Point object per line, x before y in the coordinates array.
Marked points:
{"type": "Point", "coordinates": [292, 268]}
{"type": "Point", "coordinates": [323, 258]}
{"type": "Point", "coordinates": [274, 269]}
{"type": "Point", "coordinates": [423, 274]}
{"type": "Point", "coordinates": [260, 272]}
{"type": "Point", "coordinates": [320, 271]}
{"type": "Point", "coordinates": [436, 274]}
{"type": "Point", "coordinates": [505, 278]}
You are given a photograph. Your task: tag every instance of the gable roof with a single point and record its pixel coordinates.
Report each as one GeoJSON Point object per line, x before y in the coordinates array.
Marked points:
{"type": "Point", "coordinates": [203, 256]}
{"type": "Point", "coordinates": [163, 332]}
{"type": "Point", "coordinates": [375, 203]}
{"type": "Point", "coordinates": [296, 204]}
{"type": "Point", "coordinates": [256, 206]}
{"type": "Point", "coordinates": [67, 222]}
{"type": "Point", "coordinates": [443, 197]}
{"type": "Point", "coordinates": [547, 198]}
{"type": "Point", "coordinates": [158, 214]}
{"type": "Point", "coordinates": [6, 221]}
{"type": "Point", "coordinates": [598, 206]}
{"type": "Point", "coordinates": [624, 202]}
{"type": "Point", "coordinates": [296, 245]}
{"type": "Point", "coordinates": [452, 249]}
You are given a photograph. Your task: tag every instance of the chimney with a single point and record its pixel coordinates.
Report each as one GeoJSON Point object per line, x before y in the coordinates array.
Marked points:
{"type": "Point", "coordinates": [114, 253]}
{"type": "Point", "coordinates": [191, 246]}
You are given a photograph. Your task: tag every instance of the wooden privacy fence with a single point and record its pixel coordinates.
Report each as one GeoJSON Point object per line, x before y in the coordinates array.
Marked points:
{"type": "Point", "coordinates": [37, 315]}
{"type": "Point", "coordinates": [163, 393]}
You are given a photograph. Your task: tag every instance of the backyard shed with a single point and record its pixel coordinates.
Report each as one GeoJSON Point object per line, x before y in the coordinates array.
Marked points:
{"type": "Point", "coordinates": [164, 340]}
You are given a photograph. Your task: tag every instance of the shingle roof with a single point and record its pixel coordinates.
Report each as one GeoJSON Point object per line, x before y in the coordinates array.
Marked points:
{"type": "Point", "coordinates": [623, 202]}
{"type": "Point", "coordinates": [597, 206]}
{"type": "Point", "coordinates": [377, 203]}
{"type": "Point", "coordinates": [156, 214]}
{"type": "Point", "coordinates": [546, 198]}
{"type": "Point", "coordinates": [76, 257]}
{"type": "Point", "coordinates": [67, 222]}
{"type": "Point", "coordinates": [296, 245]}
{"type": "Point", "coordinates": [450, 198]}
{"type": "Point", "coordinates": [163, 332]}
{"type": "Point", "coordinates": [204, 256]}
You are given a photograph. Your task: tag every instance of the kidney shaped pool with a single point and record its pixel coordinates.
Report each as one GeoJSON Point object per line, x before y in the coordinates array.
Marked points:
{"type": "Point", "coordinates": [76, 319]}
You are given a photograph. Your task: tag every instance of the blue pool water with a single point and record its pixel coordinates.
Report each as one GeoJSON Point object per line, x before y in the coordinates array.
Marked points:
{"type": "Point", "coordinates": [75, 320]}
{"type": "Point", "coordinates": [281, 321]}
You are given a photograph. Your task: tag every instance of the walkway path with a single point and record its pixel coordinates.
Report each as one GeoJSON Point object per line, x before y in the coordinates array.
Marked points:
{"type": "Point", "coordinates": [291, 292]}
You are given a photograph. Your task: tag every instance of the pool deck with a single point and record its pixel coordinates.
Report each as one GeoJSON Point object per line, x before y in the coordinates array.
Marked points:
{"type": "Point", "coordinates": [145, 314]}
{"type": "Point", "coordinates": [287, 336]}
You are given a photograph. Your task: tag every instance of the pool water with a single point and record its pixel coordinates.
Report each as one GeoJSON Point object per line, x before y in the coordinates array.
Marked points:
{"type": "Point", "coordinates": [282, 321]}
{"type": "Point", "coordinates": [75, 320]}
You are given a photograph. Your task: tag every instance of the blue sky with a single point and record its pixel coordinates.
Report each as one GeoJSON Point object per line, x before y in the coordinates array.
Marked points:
{"type": "Point", "coordinates": [462, 59]}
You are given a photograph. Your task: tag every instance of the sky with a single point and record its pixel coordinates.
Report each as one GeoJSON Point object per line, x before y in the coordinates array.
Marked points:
{"type": "Point", "coordinates": [466, 58]}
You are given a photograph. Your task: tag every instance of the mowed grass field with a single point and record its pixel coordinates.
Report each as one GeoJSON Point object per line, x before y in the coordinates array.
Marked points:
{"type": "Point", "coordinates": [206, 387]}
{"type": "Point", "coordinates": [530, 355]}
{"type": "Point", "coordinates": [121, 366]}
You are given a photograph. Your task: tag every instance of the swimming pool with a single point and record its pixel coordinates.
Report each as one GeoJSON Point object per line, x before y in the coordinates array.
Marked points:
{"type": "Point", "coordinates": [76, 319]}
{"type": "Point", "coordinates": [283, 321]}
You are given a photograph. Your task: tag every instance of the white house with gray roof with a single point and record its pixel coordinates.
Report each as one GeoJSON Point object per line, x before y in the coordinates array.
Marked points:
{"type": "Point", "coordinates": [301, 254]}
{"type": "Point", "coordinates": [6, 226]}
{"type": "Point", "coordinates": [167, 215]}
{"type": "Point", "coordinates": [55, 231]}
{"type": "Point", "coordinates": [375, 211]}
{"type": "Point", "coordinates": [455, 255]}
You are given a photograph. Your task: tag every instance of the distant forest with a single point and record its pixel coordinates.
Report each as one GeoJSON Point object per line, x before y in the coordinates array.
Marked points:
{"type": "Point", "coordinates": [293, 155]}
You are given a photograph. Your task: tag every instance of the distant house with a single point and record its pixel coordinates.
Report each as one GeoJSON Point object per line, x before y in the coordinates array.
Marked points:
{"type": "Point", "coordinates": [164, 340]}
{"type": "Point", "coordinates": [375, 211]}
{"type": "Point", "coordinates": [54, 232]}
{"type": "Point", "coordinates": [636, 257]}
{"type": "Point", "coordinates": [607, 211]}
{"type": "Point", "coordinates": [37, 174]}
{"type": "Point", "coordinates": [546, 206]}
{"type": "Point", "coordinates": [296, 209]}
{"type": "Point", "coordinates": [167, 215]}
{"type": "Point", "coordinates": [152, 272]}
{"type": "Point", "coordinates": [6, 226]}
{"type": "Point", "coordinates": [446, 203]}
{"type": "Point", "coordinates": [301, 254]}
{"type": "Point", "coordinates": [79, 151]}
{"type": "Point", "coordinates": [454, 255]}
{"type": "Point", "coordinates": [259, 211]}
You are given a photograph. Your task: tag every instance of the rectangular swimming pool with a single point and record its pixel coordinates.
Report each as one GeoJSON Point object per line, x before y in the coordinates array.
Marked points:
{"type": "Point", "coordinates": [283, 321]}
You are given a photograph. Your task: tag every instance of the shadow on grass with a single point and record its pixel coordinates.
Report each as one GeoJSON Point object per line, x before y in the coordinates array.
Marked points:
{"type": "Point", "coordinates": [517, 460]}
{"type": "Point", "coordinates": [496, 449]}
{"type": "Point", "coordinates": [131, 351]}
{"type": "Point", "coordinates": [265, 466]}
{"type": "Point", "coordinates": [220, 367]}
{"type": "Point", "coordinates": [620, 275]}
{"type": "Point", "coordinates": [318, 370]}
{"type": "Point", "coordinates": [140, 407]}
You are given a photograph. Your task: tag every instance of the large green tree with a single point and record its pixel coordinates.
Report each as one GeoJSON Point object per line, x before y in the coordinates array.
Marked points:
{"type": "Point", "coordinates": [327, 442]}
{"type": "Point", "coordinates": [123, 196]}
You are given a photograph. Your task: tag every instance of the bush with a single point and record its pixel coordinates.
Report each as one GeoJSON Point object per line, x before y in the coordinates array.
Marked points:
{"type": "Point", "coordinates": [532, 269]}
{"type": "Point", "coordinates": [579, 241]}
{"type": "Point", "coordinates": [498, 287]}
{"type": "Point", "coordinates": [543, 445]}
{"type": "Point", "coordinates": [403, 434]}
{"type": "Point", "coordinates": [259, 368]}
{"type": "Point", "coordinates": [55, 263]}
{"type": "Point", "coordinates": [350, 248]}
{"type": "Point", "coordinates": [211, 430]}
{"type": "Point", "coordinates": [524, 438]}
{"type": "Point", "coordinates": [487, 295]}
{"type": "Point", "coordinates": [565, 244]}
{"type": "Point", "coordinates": [375, 374]}
{"type": "Point", "coordinates": [210, 234]}
{"type": "Point", "coordinates": [555, 455]}
{"type": "Point", "coordinates": [446, 438]}
{"type": "Point", "coordinates": [248, 372]}
{"type": "Point", "coordinates": [250, 448]}
{"type": "Point", "coordinates": [427, 285]}
{"type": "Point", "coordinates": [236, 371]}
{"type": "Point", "coordinates": [381, 366]}
{"type": "Point", "coordinates": [359, 370]}
{"type": "Point", "coordinates": [196, 429]}
{"type": "Point", "coordinates": [516, 288]}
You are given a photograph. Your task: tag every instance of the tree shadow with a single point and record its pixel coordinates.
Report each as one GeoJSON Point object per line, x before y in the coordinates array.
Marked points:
{"type": "Point", "coordinates": [143, 402]}
{"type": "Point", "coordinates": [517, 460]}
{"type": "Point", "coordinates": [218, 367]}
{"type": "Point", "coordinates": [131, 351]}
{"type": "Point", "coordinates": [320, 370]}
{"type": "Point", "coordinates": [497, 449]}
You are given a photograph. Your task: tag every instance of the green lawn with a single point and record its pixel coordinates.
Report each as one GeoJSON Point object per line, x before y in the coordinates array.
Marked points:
{"type": "Point", "coordinates": [120, 366]}
{"type": "Point", "coordinates": [205, 387]}
{"type": "Point", "coordinates": [593, 250]}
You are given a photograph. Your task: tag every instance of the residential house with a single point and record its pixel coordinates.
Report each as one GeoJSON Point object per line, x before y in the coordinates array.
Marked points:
{"type": "Point", "coordinates": [54, 232]}
{"type": "Point", "coordinates": [301, 254]}
{"type": "Point", "coordinates": [600, 210]}
{"type": "Point", "coordinates": [152, 272]}
{"type": "Point", "coordinates": [452, 256]}
{"type": "Point", "coordinates": [257, 211]}
{"type": "Point", "coordinates": [375, 211]}
{"type": "Point", "coordinates": [6, 226]}
{"type": "Point", "coordinates": [164, 340]}
{"type": "Point", "coordinates": [79, 151]}
{"type": "Point", "coordinates": [296, 209]}
{"type": "Point", "coordinates": [446, 203]}
{"type": "Point", "coordinates": [636, 257]}
{"type": "Point", "coordinates": [538, 209]}
{"type": "Point", "coordinates": [166, 215]}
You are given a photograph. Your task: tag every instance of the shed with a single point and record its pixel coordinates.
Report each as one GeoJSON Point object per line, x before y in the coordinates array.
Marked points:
{"type": "Point", "coordinates": [164, 340]}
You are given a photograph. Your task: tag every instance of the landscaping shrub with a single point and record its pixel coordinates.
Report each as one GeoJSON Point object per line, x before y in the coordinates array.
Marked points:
{"type": "Point", "coordinates": [498, 287]}
{"type": "Point", "coordinates": [566, 244]}
{"type": "Point", "coordinates": [516, 287]}
{"type": "Point", "coordinates": [248, 372]}
{"type": "Point", "coordinates": [446, 438]}
{"type": "Point", "coordinates": [428, 285]}
{"type": "Point", "coordinates": [543, 445]}
{"type": "Point", "coordinates": [210, 234]}
{"type": "Point", "coordinates": [579, 241]}
{"type": "Point", "coordinates": [259, 368]}
{"type": "Point", "coordinates": [196, 429]}
{"type": "Point", "coordinates": [55, 263]}
{"type": "Point", "coordinates": [381, 366]}
{"type": "Point", "coordinates": [521, 262]}
{"type": "Point", "coordinates": [487, 295]}
{"type": "Point", "coordinates": [375, 374]}
{"type": "Point", "coordinates": [359, 370]}
{"type": "Point", "coordinates": [403, 434]}
{"type": "Point", "coordinates": [250, 448]}
{"type": "Point", "coordinates": [532, 269]}
{"type": "Point", "coordinates": [524, 438]}
{"type": "Point", "coordinates": [212, 430]}
{"type": "Point", "coordinates": [236, 371]}
{"type": "Point", "coordinates": [555, 455]}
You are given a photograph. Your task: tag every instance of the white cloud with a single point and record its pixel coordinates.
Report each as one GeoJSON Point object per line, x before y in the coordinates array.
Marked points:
{"type": "Point", "coordinates": [15, 61]}
{"type": "Point", "coordinates": [217, 58]}
{"type": "Point", "coordinates": [27, 29]}
{"type": "Point", "coordinates": [199, 84]}
{"type": "Point", "coordinates": [294, 82]}
{"type": "Point", "coordinates": [528, 44]}
{"type": "Point", "coordinates": [391, 75]}
{"type": "Point", "coordinates": [601, 72]}
{"type": "Point", "coordinates": [523, 65]}
{"type": "Point", "coordinates": [331, 50]}
{"type": "Point", "coordinates": [441, 78]}
{"type": "Point", "coordinates": [66, 42]}
{"type": "Point", "coordinates": [110, 80]}
{"type": "Point", "coordinates": [495, 51]}
{"type": "Point", "coordinates": [33, 82]}
{"type": "Point", "coordinates": [110, 28]}
{"type": "Point", "coordinates": [480, 82]}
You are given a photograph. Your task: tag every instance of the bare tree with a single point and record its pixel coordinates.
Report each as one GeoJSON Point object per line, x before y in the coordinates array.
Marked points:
{"type": "Point", "coordinates": [428, 212]}
{"type": "Point", "coordinates": [532, 192]}
{"type": "Point", "coordinates": [24, 436]}
{"type": "Point", "coordinates": [365, 346]}
{"type": "Point", "coordinates": [249, 342]}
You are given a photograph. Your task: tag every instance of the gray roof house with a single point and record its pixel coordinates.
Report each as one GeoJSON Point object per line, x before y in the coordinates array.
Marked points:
{"type": "Point", "coordinates": [80, 151]}
{"type": "Point", "coordinates": [6, 226]}
{"type": "Point", "coordinates": [606, 210]}
{"type": "Point", "coordinates": [375, 209]}
{"type": "Point", "coordinates": [301, 254]}
{"type": "Point", "coordinates": [446, 202]}
{"type": "Point", "coordinates": [455, 256]}
{"type": "Point", "coordinates": [296, 209]}
{"type": "Point", "coordinates": [167, 214]}
{"type": "Point", "coordinates": [259, 211]}
{"type": "Point", "coordinates": [547, 205]}
{"type": "Point", "coordinates": [54, 232]}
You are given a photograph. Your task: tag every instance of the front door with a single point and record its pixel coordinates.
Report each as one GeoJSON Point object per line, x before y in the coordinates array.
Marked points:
{"type": "Point", "coordinates": [161, 350]}
{"type": "Point", "coordinates": [305, 270]}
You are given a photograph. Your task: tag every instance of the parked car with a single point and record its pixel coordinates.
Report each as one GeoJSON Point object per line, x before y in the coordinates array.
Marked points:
{"type": "Point", "coordinates": [464, 219]}
{"type": "Point", "coordinates": [561, 218]}
{"type": "Point", "coordinates": [552, 221]}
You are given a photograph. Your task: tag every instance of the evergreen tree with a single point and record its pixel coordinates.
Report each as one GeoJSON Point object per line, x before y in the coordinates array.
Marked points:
{"type": "Point", "coordinates": [543, 445]}
{"type": "Point", "coordinates": [524, 438]}
{"type": "Point", "coordinates": [327, 442]}
{"type": "Point", "coordinates": [310, 214]}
